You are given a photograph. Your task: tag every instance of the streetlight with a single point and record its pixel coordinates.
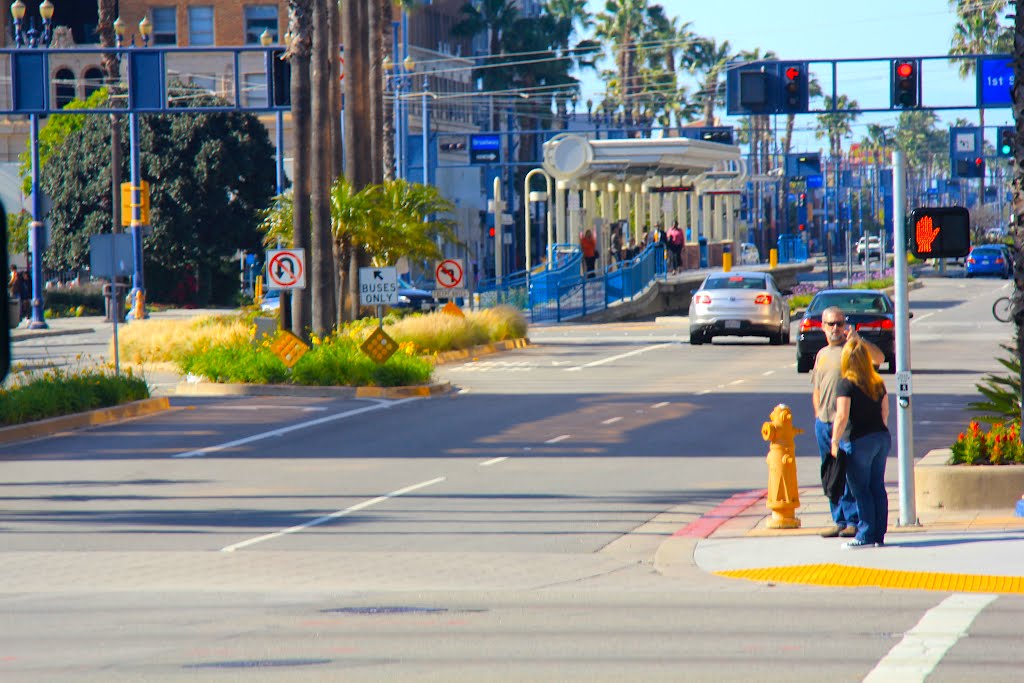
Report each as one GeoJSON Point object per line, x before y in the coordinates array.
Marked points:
{"type": "Point", "coordinates": [34, 38]}
{"type": "Point", "coordinates": [537, 197]}
{"type": "Point", "coordinates": [138, 292]}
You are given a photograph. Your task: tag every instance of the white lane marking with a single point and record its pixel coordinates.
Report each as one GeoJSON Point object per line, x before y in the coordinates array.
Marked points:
{"type": "Point", "coordinates": [923, 647]}
{"type": "Point", "coordinates": [706, 391]}
{"type": "Point", "coordinates": [334, 515]}
{"type": "Point", "coordinates": [563, 437]}
{"type": "Point", "coordinates": [304, 409]}
{"type": "Point", "coordinates": [493, 461]}
{"type": "Point", "coordinates": [199, 452]}
{"type": "Point", "coordinates": [768, 372]}
{"type": "Point", "coordinates": [464, 391]}
{"type": "Point", "coordinates": [610, 420]}
{"type": "Point", "coordinates": [735, 381]}
{"type": "Point", "coordinates": [919, 318]}
{"type": "Point", "coordinates": [660, 405]}
{"type": "Point", "coordinates": [618, 357]}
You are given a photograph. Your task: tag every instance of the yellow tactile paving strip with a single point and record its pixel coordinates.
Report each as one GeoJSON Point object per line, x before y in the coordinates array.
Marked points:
{"type": "Point", "coordinates": [843, 575]}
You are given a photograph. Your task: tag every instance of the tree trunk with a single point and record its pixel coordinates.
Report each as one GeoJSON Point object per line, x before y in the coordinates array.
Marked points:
{"type": "Point", "coordinates": [337, 140]}
{"type": "Point", "coordinates": [322, 243]}
{"type": "Point", "coordinates": [388, 128]}
{"type": "Point", "coordinates": [375, 52]}
{"type": "Point", "coordinates": [355, 31]}
{"type": "Point", "coordinates": [300, 25]}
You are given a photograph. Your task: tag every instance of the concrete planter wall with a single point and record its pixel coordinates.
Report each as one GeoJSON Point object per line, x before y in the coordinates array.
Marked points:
{"type": "Point", "coordinates": [939, 486]}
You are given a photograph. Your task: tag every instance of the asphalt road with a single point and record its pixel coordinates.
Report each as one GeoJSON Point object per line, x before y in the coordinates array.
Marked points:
{"type": "Point", "coordinates": [509, 531]}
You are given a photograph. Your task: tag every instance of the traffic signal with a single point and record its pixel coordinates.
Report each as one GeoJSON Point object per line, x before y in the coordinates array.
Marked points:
{"type": "Point", "coordinates": [1007, 141]}
{"type": "Point", "coordinates": [5, 327]}
{"type": "Point", "coordinates": [940, 232]}
{"type": "Point", "coordinates": [794, 94]}
{"type": "Point", "coordinates": [721, 134]}
{"type": "Point", "coordinates": [970, 168]}
{"type": "Point", "coordinates": [906, 84]}
{"type": "Point", "coordinates": [281, 79]}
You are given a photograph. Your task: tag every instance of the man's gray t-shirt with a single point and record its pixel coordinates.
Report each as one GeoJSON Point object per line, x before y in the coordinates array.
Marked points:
{"type": "Point", "coordinates": [825, 376]}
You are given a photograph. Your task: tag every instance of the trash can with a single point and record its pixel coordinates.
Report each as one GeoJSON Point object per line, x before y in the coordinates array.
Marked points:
{"type": "Point", "coordinates": [703, 242]}
{"type": "Point", "coordinates": [13, 312]}
{"type": "Point", "coordinates": [117, 300]}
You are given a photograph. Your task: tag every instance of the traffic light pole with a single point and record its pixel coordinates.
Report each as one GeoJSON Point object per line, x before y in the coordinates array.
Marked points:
{"type": "Point", "coordinates": [904, 411]}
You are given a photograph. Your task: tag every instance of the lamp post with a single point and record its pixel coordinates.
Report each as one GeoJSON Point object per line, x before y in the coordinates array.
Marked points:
{"type": "Point", "coordinates": [32, 37]}
{"type": "Point", "coordinates": [138, 292]}
{"type": "Point", "coordinates": [537, 197]}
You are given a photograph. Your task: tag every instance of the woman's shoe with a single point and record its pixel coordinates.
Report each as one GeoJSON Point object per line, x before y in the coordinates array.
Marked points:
{"type": "Point", "coordinates": [856, 543]}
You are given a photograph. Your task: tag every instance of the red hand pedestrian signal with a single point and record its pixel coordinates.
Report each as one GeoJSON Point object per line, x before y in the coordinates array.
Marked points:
{"type": "Point", "coordinates": [925, 234]}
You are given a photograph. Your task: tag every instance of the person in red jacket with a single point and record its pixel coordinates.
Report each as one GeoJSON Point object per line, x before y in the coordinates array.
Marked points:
{"type": "Point", "coordinates": [588, 245]}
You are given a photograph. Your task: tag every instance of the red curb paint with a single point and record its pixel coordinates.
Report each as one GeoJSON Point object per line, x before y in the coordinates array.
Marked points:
{"type": "Point", "coordinates": [709, 523]}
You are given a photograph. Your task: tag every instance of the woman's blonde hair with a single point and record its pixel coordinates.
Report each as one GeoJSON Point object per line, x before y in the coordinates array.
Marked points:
{"type": "Point", "coordinates": [857, 367]}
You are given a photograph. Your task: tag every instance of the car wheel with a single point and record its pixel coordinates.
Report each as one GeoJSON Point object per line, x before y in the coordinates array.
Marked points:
{"type": "Point", "coordinates": [775, 338]}
{"type": "Point", "coordinates": [804, 364]}
{"type": "Point", "coordinates": [785, 334]}
{"type": "Point", "coordinates": [696, 339]}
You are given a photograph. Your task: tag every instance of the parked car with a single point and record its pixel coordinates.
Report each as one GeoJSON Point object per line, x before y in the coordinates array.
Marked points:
{"type": "Point", "coordinates": [739, 304]}
{"type": "Point", "coordinates": [408, 297]}
{"type": "Point", "coordinates": [870, 311]}
{"type": "Point", "coordinates": [749, 255]}
{"type": "Point", "coordinates": [873, 245]}
{"type": "Point", "coordinates": [989, 259]}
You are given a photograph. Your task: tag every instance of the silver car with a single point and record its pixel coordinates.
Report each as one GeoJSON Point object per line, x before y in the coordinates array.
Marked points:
{"type": "Point", "coordinates": [739, 304]}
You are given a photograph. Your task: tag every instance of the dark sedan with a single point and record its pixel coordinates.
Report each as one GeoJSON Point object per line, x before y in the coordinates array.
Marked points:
{"type": "Point", "coordinates": [989, 259]}
{"type": "Point", "coordinates": [870, 311]}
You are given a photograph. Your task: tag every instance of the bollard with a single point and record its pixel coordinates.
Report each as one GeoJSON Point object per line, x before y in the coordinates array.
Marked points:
{"type": "Point", "coordinates": [773, 258]}
{"type": "Point", "coordinates": [726, 262]}
{"type": "Point", "coordinates": [783, 491]}
{"type": "Point", "coordinates": [257, 297]}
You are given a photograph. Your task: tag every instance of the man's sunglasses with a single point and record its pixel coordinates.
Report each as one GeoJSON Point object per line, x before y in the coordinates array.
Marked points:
{"type": "Point", "coordinates": [834, 323]}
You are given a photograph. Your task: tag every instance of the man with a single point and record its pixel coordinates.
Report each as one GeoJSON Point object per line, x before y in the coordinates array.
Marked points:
{"type": "Point", "coordinates": [824, 378]}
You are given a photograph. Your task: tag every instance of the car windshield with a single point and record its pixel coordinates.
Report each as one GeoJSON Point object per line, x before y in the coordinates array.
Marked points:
{"type": "Point", "coordinates": [735, 282]}
{"type": "Point", "coordinates": [850, 302]}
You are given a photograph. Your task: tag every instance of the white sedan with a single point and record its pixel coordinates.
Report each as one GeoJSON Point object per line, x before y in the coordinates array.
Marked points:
{"type": "Point", "coordinates": [739, 304]}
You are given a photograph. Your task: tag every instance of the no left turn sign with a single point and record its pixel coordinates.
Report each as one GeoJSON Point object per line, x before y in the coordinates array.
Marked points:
{"type": "Point", "coordinates": [286, 269]}
{"type": "Point", "coordinates": [449, 273]}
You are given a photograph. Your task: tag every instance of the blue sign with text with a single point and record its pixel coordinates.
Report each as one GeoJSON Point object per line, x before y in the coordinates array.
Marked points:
{"type": "Point", "coordinates": [995, 80]}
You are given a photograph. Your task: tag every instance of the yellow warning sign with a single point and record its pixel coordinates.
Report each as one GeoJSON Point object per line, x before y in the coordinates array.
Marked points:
{"type": "Point", "coordinates": [289, 348]}
{"type": "Point", "coordinates": [452, 309]}
{"type": "Point", "coordinates": [379, 346]}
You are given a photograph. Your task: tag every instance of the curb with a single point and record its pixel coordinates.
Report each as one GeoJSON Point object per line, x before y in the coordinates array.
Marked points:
{"type": "Point", "coordinates": [300, 391]}
{"type": "Point", "coordinates": [24, 336]}
{"type": "Point", "coordinates": [91, 418]}
{"type": "Point", "coordinates": [482, 350]}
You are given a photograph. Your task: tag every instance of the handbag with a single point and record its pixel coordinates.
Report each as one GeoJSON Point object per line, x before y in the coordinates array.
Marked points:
{"type": "Point", "coordinates": [833, 476]}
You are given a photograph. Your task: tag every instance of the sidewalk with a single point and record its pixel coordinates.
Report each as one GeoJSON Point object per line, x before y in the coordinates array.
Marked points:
{"type": "Point", "coordinates": [967, 551]}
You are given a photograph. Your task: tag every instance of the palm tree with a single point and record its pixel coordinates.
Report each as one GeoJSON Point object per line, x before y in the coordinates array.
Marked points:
{"type": "Point", "coordinates": [835, 123]}
{"type": "Point", "coordinates": [813, 90]}
{"type": "Point", "coordinates": [671, 47]}
{"type": "Point", "coordinates": [709, 64]}
{"type": "Point", "coordinates": [1018, 183]}
{"type": "Point", "coordinates": [321, 169]}
{"type": "Point", "coordinates": [299, 49]}
{"type": "Point", "coordinates": [623, 24]}
{"type": "Point", "coordinates": [760, 124]}
{"type": "Point", "coordinates": [496, 18]}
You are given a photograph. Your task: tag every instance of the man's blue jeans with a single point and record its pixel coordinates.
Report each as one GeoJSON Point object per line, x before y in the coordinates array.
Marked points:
{"type": "Point", "coordinates": [865, 474]}
{"type": "Point", "coordinates": [844, 513]}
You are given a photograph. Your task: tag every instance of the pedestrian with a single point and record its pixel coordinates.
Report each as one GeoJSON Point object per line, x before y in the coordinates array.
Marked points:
{"type": "Point", "coordinates": [824, 378]}
{"type": "Point", "coordinates": [615, 248]}
{"type": "Point", "coordinates": [25, 292]}
{"type": "Point", "coordinates": [12, 282]}
{"type": "Point", "coordinates": [862, 404]}
{"type": "Point", "coordinates": [588, 245]}
{"type": "Point", "coordinates": [675, 246]}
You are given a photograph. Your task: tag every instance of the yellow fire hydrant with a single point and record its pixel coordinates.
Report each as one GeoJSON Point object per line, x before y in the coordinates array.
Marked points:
{"type": "Point", "coordinates": [783, 493]}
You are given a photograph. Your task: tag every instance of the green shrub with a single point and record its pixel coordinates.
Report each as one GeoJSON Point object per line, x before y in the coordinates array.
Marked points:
{"type": "Point", "coordinates": [57, 392]}
{"type": "Point", "coordinates": [74, 301]}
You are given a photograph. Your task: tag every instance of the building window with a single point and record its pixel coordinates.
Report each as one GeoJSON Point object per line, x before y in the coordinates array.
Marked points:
{"type": "Point", "coordinates": [93, 77]}
{"type": "Point", "coordinates": [260, 18]}
{"type": "Point", "coordinates": [65, 87]}
{"type": "Point", "coordinates": [207, 82]}
{"type": "Point", "coordinates": [255, 90]}
{"type": "Point", "coordinates": [165, 26]}
{"type": "Point", "coordinates": [200, 26]}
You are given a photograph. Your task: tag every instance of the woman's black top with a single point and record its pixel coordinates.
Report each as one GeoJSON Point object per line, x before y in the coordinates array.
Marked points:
{"type": "Point", "coordinates": [865, 413]}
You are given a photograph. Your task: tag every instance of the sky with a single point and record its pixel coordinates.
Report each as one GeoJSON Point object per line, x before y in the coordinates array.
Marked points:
{"type": "Point", "coordinates": [830, 29]}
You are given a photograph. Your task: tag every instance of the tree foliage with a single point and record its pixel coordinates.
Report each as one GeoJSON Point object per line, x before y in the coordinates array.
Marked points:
{"type": "Point", "coordinates": [210, 174]}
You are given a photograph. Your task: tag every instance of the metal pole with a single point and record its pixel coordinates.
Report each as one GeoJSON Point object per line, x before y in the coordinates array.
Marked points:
{"type": "Point", "coordinates": [551, 229]}
{"type": "Point", "coordinates": [426, 132]}
{"type": "Point", "coordinates": [904, 414]}
{"type": "Point", "coordinates": [138, 285]}
{"type": "Point", "coordinates": [36, 236]}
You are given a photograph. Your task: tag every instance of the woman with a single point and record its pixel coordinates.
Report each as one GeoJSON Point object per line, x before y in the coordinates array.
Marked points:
{"type": "Point", "coordinates": [862, 403]}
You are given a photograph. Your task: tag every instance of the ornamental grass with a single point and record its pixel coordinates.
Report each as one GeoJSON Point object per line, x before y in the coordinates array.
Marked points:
{"type": "Point", "coordinates": [55, 392]}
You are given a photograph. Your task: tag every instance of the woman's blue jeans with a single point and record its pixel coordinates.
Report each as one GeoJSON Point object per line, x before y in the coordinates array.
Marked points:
{"type": "Point", "coordinates": [844, 513]}
{"type": "Point", "coordinates": [865, 476]}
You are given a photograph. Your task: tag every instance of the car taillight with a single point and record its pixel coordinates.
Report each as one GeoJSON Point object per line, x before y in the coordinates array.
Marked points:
{"type": "Point", "coordinates": [999, 260]}
{"type": "Point", "coordinates": [810, 324]}
{"type": "Point", "coordinates": [763, 299]}
{"type": "Point", "coordinates": [884, 324]}
{"type": "Point", "coordinates": [702, 299]}
{"type": "Point", "coordinates": [971, 260]}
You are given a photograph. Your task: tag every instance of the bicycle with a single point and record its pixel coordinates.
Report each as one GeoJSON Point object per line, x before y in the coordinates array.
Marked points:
{"type": "Point", "coordinates": [1002, 309]}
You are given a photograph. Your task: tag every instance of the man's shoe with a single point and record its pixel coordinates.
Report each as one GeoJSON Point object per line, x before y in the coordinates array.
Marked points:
{"type": "Point", "coordinates": [855, 543]}
{"type": "Point", "coordinates": [848, 532]}
{"type": "Point", "coordinates": [833, 532]}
